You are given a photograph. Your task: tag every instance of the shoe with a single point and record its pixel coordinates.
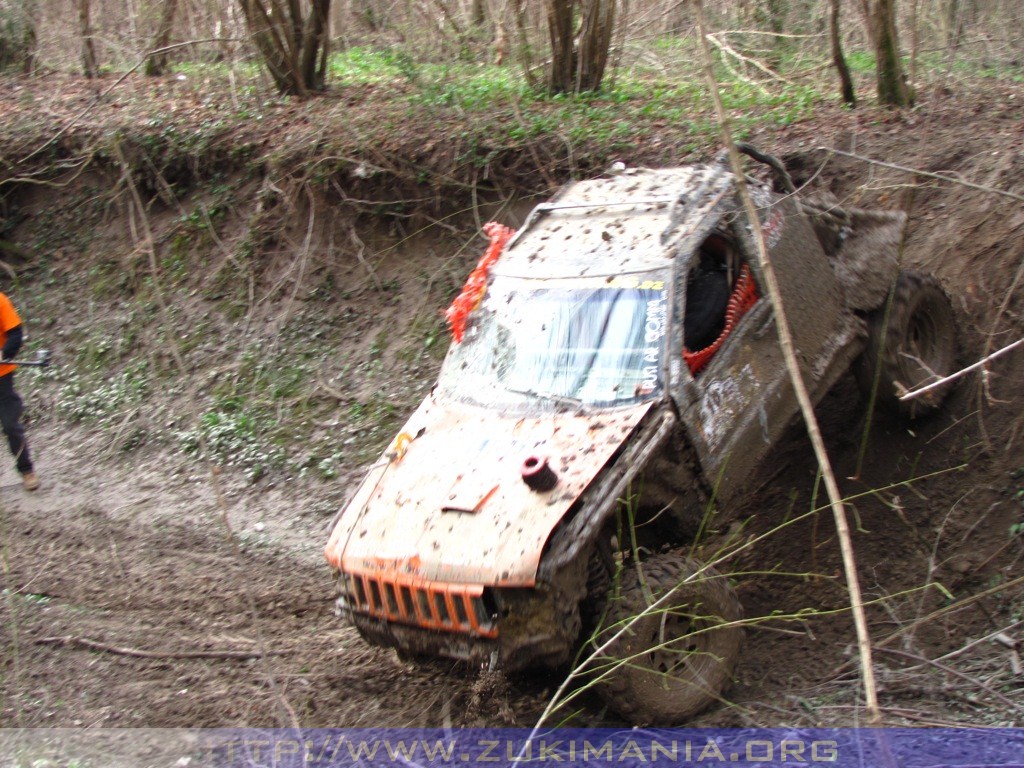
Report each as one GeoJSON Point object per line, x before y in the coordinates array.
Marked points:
{"type": "Point", "coordinates": [30, 480]}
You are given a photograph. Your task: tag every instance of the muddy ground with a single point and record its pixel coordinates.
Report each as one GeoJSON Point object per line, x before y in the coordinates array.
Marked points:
{"type": "Point", "coordinates": [142, 589]}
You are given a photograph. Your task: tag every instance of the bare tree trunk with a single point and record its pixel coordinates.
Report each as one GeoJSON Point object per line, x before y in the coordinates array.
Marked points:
{"type": "Point", "coordinates": [622, 22]}
{"type": "Point", "coordinates": [560, 29]}
{"type": "Point", "coordinates": [449, 17]}
{"type": "Point", "coordinates": [190, 12]}
{"type": "Point", "coordinates": [954, 23]}
{"type": "Point", "coordinates": [295, 17]}
{"type": "Point", "coordinates": [224, 27]}
{"type": "Point", "coordinates": [675, 17]}
{"type": "Point", "coordinates": [892, 85]}
{"type": "Point", "coordinates": [914, 40]}
{"type": "Point", "coordinates": [575, 69]}
{"type": "Point", "coordinates": [314, 41]}
{"type": "Point", "coordinates": [325, 51]}
{"type": "Point", "coordinates": [366, 11]}
{"type": "Point", "coordinates": [132, 16]}
{"type": "Point", "coordinates": [289, 41]}
{"type": "Point", "coordinates": [156, 65]}
{"type": "Point", "coordinates": [869, 23]}
{"type": "Point", "coordinates": [846, 82]}
{"type": "Point", "coordinates": [89, 66]}
{"type": "Point", "coordinates": [18, 42]}
{"type": "Point", "coordinates": [775, 16]}
{"type": "Point", "coordinates": [29, 37]}
{"type": "Point", "coordinates": [478, 13]}
{"type": "Point", "coordinates": [500, 43]}
{"type": "Point", "coordinates": [595, 43]}
{"type": "Point", "coordinates": [270, 38]}
{"type": "Point", "coordinates": [958, 12]}
{"type": "Point", "coordinates": [523, 42]}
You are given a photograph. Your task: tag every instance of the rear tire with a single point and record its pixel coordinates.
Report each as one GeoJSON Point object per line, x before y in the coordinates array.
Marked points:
{"type": "Point", "coordinates": [676, 660]}
{"type": "Point", "coordinates": [915, 345]}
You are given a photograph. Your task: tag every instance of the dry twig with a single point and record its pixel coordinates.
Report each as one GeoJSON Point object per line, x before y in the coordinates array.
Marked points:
{"type": "Point", "coordinates": [918, 172]}
{"type": "Point", "coordinates": [957, 674]}
{"type": "Point", "coordinates": [962, 372]}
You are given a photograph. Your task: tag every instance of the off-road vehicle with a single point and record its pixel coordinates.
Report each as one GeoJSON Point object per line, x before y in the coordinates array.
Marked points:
{"type": "Point", "coordinates": [614, 382]}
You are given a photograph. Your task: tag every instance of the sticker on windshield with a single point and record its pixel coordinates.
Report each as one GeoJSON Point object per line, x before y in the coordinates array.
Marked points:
{"type": "Point", "coordinates": [655, 326]}
{"type": "Point", "coordinates": [632, 281]}
{"type": "Point", "coordinates": [654, 332]}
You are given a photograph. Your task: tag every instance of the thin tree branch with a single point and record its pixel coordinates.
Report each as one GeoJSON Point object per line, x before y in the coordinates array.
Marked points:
{"type": "Point", "coordinates": [724, 47]}
{"type": "Point", "coordinates": [962, 372]}
{"type": "Point", "coordinates": [799, 387]}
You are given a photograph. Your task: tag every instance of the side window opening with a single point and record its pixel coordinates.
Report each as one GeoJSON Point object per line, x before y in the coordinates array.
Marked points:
{"type": "Point", "coordinates": [708, 287]}
{"type": "Point", "coordinates": [720, 289]}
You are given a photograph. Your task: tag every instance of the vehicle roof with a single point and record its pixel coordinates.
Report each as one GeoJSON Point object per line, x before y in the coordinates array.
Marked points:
{"type": "Point", "coordinates": [612, 226]}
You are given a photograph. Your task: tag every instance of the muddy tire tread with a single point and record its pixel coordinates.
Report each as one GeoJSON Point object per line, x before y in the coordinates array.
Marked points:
{"type": "Point", "coordinates": [716, 597]}
{"type": "Point", "coordinates": [914, 292]}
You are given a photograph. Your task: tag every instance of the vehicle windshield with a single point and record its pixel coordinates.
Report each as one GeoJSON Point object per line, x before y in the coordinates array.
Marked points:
{"type": "Point", "coordinates": [596, 341]}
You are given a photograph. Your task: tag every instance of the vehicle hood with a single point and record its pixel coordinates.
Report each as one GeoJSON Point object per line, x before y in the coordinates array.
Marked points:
{"type": "Point", "coordinates": [447, 501]}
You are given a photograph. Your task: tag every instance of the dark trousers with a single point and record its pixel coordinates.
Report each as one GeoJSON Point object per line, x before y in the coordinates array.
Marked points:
{"type": "Point", "coordinates": [11, 409]}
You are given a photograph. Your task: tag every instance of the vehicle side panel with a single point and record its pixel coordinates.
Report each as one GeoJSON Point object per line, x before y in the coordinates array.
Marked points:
{"type": "Point", "coordinates": [810, 290]}
{"type": "Point", "coordinates": [745, 398]}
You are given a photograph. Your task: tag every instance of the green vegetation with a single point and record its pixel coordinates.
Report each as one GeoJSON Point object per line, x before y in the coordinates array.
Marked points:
{"type": "Point", "coordinates": [104, 402]}
{"type": "Point", "coordinates": [623, 112]}
{"type": "Point", "coordinates": [26, 597]}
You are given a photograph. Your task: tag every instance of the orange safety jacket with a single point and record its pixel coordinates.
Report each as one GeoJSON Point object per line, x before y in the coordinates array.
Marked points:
{"type": "Point", "coordinates": [8, 319]}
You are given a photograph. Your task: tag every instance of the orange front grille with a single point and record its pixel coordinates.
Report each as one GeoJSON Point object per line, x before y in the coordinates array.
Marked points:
{"type": "Point", "coordinates": [430, 604]}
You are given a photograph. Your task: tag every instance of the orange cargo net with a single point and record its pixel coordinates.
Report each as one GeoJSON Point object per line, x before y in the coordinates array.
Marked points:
{"type": "Point", "coordinates": [744, 296]}
{"type": "Point", "coordinates": [473, 291]}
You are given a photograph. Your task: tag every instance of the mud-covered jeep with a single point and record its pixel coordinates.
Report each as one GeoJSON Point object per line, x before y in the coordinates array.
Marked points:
{"type": "Point", "coordinates": [614, 382]}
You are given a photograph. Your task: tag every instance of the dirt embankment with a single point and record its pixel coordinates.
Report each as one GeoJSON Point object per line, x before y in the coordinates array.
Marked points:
{"type": "Point", "coordinates": [140, 589]}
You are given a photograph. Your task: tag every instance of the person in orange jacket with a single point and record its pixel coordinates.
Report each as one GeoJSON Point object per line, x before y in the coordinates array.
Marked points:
{"type": "Point", "coordinates": [11, 408]}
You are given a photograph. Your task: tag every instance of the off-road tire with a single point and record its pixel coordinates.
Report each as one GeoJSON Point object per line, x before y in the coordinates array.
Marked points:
{"type": "Point", "coordinates": [920, 328]}
{"type": "Point", "coordinates": [678, 659]}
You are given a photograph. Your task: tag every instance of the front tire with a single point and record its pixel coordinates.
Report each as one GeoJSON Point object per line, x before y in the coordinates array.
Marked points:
{"type": "Point", "coordinates": [676, 659]}
{"type": "Point", "coordinates": [913, 346]}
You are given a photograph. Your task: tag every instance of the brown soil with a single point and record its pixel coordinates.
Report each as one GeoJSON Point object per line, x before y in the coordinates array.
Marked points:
{"type": "Point", "coordinates": [132, 551]}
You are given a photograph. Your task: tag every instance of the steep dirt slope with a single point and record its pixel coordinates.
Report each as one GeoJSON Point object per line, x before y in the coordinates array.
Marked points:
{"type": "Point", "coordinates": [127, 603]}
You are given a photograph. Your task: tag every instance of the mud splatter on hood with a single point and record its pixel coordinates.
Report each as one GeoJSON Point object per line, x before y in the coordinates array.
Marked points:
{"type": "Point", "coordinates": [447, 500]}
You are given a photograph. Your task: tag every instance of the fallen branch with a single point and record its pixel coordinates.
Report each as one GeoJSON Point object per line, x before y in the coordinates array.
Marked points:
{"type": "Point", "coordinates": [337, 394]}
{"type": "Point", "coordinates": [1005, 640]}
{"type": "Point", "coordinates": [93, 645]}
{"type": "Point", "coordinates": [963, 372]}
{"type": "Point", "coordinates": [957, 674]}
{"type": "Point", "coordinates": [727, 49]}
